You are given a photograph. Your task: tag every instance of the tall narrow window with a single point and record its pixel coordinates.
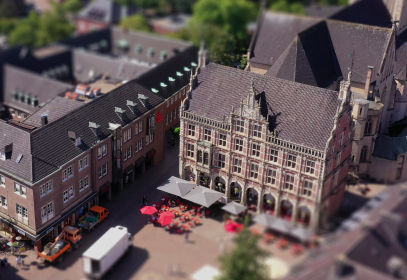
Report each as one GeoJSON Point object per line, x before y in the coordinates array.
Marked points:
{"type": "Point", "coordinates": [222, 139]}
{"type": "Point", "coordinates": [368, 127]}
{"type": "Point", "coordinates": [273, 155]}
{"type": "Point", "coordinates": [199, 156]}
{"type": "Point", "coordinates": [310, 167]}
{"type": "Point", "coordinates": [256, 150]}
{"type": "Point", "coordinates": [190, 150]}
{"type": "Point", "coordinates": [400, 164]}
{"type": "Point", "coordinates": [206, 159]}
{"type": "Point", "coordinates": [237, 167]}
{"type": "Point", "coordinates": [222, 161]}
{"type": "Point", "coordinates": [271, 176]}
{"type": "Point", "coordinates": [257, 131]}
{"type": "Point", "coordinates": [207, 135]}
{"type": "Point", "coordinates": [291, 161]}
{"type": "Point", "coordinates": [239, 145]}
{"type": "Point", "coordinates": [363, 154]}
{"type": "Point", "coordinates": [191, 130]}
{"type": "Point", "coordinates": [342, 137]}
{"type": "Point", "coordinates": [289, 182]}
{"type": "Point", "coordinates": [239, 126]}
{"type": "Point", "coordinates": [307, 189]}
{"type": "Point", "coordinates": [254, 171]}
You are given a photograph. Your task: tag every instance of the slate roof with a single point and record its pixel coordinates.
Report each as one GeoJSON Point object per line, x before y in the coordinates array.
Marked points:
{"type": "Point", "coordinates": [390, 147]}
{"type": "Point", "coordinates": [52, 143]}
{"type": "Point", "coordinates": [310, 59]}
{"type": "Point", "coordinates": [22, 80]}
{"type": "Point", "coordinates": [276, 32]}
{"type": "Point", "coordinates": [401, 56]}
{"type": "Point", "coordinates": [90, 40]}
{"type": "Point", "coordinates": [55, 109]}
{"type": "Point", "coordinates": [302, 114]}
{"type": "Point", "coordinates": [369, 12]}
{"type": "Point", "coordinates": [107, 11]}
{"type": "Point", "coordinates": [146, 41]}
{"type": "Point", "coordinates": [162, 73]}
{"type": "Point", "coordinates": [85, 64]}
{"type": "Point", "coordinates": [315, 48]}
{"type": "Point", "coordinates": [47, 148]}
{"type": "Point", "coordinates": [323, 11]}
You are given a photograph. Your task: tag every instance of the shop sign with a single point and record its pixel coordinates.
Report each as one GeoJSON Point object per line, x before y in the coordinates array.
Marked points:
{"type": "Point", "coordinates": [21, 231]}
{"type": "Point", "coordinates": [159, 117]}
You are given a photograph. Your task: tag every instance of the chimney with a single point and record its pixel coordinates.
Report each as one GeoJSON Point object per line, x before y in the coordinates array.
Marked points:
{"type": "Point", "coordinates": [143, 99]}
{"type": "Point", "coordinates": [391, 224]}
{"type": "Point", "coordinates": [368, 81]}
{"type": "Point", "coordinates": [95, 128]}
{"type": "Point", "coordinates": [342, 265]}
{"type": "Point", "coordinates": [72, 135]}
{"type": "Point", "coordinates": [202, 56]}
{"type": "Point", "coordinates": [44, 119]}
{"type": "Point", "coordinates": [133, 106]}
{"type": "Point", "coordinates": [120, 112]}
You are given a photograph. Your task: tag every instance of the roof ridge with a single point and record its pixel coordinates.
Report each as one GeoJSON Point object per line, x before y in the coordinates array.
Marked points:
{"type": "Point", "coordinates": [360, 24]}
{"type": "Point", "coordinates": [271, 12]}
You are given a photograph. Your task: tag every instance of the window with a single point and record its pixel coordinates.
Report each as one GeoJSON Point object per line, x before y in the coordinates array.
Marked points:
{"type": "Point", "coordinates": [273, 156]}
{"type": "Point", "coordinates": [256, 150]}
{"type": "Point", "coordinates": [81, 187]}
{"type": "Point", "coordinates": [104, 168]}
{"type": "Point", "coordinates": [400, 164]}
{"type": "Point", "coordinates": [289, 182]}
{"type": "Point", "coordinates": [44, 213]}
{"type": "Point", "coordinates": [190, 150]}
{"type": "Point", "coordinates": [140, 126]}
{"type": "Point", "coordinates": [291, 161]}
{"type": "Point", "coordinates": [338, 158]}
{"type": "Point", "coordinates": [363, 154]}
{"type": "Point", "coordinates": [71, 192]}
{"type": "Point", "coordinates": [239, 145]}
{"type": "Point", "coordinates": [64, 177]}
{"type": "Point", "coordinates": [207, 135]}
{"type": "Point", "coordinates": [102, 151]}
{"type": "Point", "coordinates": [149, 138]}
{"type": "Point", "coordinates": [3, 201]}
{"type": "Point", "coordinates": [19, 209]}
{"type": "Point", "coordinates": [2, 181]}
{"type": "Point", "coordinates": [237, 167]}
{"type": "Point", "coordinates": [368, 127]}
{"type": "Point", "coordinates": [254, 171]}
{"type": "Point", "coordinates": [19, 114]}
{"type": "Point", "coordinates": [329, 166]}
{"type": "Point", "coordinates": [25, 115]}
{"type": "Point", "coordinates": [307, 189]}
{"type": "Point", "coordinates": [333, 149]}
{"type": "Point", "coordinates": [206, 159]}
{"type": "Point", "coordinates": [25, 212]}
{"type": "Point", "coordinates": [271, 176]}
{"type": "Point", "coordinates": [342, 137]}
{"type": "Point", "coordinates": [191, 130]}
{"type": "Point", "coordinates": [20, 189]}
{"type": "Point", "coordinates": [166, 120]}
{"type": "Point", "coordinates": [222, 139]}
{"type": "Point", "coordinates": [140, 144]}
{"type": "Point", "coordinates": [48, 186]}
{"type": "Point", "coordinates": [43, 190]}
{"type": "Point", "coordinates": [86, 181]}
{"type": "Point", "coordinates": [13, 113]}
{"type": "Point", "coordinates": [221, 161]}
{"type": "Point", "coordinates": [2, 156]}
{"type": "Point", "coordinates": [239, 126]}
{"type": "Point", "coordinates": [50, 209]}
{"type": "Point", "coordinates": [257, 131]}
{"type": "Point", "coordinates": [127, 153]}
{"type": "Point", "coordinates": [70, 171]}
{"type": "Point", "coordinates": [65, 196]}
{"type": "Point", "coordinates": [136, 129]}
{"type": "Point", "coordinates": [168, 103]}
{"type": "Point", "coordinates": [171, 116]}
{"type": "Point", "coordinates": [336, 178]}
{"type": "Point", "coordinates": [310, 167]}
{"type": "Point", "coordinates": [80, 164]}
{"type": "Point", "coordinates": [360, 111]}
{"type": "Point", "coordinates": [85, 161]}
{"type": "Point", "coordinates": [127, 135]}
{"type": "Point", "coordinates": [199, 157]}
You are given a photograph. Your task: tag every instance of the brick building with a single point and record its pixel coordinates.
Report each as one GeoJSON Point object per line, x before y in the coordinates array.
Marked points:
{"type": "Point", "coordinates": [273, 144]}
{"type": "Point", "coordinates": [52, 170]}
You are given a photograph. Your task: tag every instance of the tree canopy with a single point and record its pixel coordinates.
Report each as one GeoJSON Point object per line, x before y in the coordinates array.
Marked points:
{"type": "Point", "coordinates": [136, 22]}
{"type": "Point", "coordinates": [72, 6]}
{"type": "Point", "coordinates": [246, 261]}
{"type": "Point", "coordinates": [35, 31]}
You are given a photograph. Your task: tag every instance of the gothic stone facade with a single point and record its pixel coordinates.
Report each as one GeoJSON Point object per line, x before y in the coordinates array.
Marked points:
{"type": "Point", "coordinates": [241, 157]}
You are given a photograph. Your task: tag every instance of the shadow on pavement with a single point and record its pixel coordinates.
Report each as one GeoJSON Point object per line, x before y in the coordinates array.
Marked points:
{"type": "Point", "coordinates": [128, 264]}
{"type": "Point", "coordinates": [10, 273]}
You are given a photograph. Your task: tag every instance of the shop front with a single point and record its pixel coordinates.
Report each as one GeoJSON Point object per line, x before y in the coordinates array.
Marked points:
{"type": "Point", "coordinates": [140, 166]}
{"type": "Point", "coordinates": [128, 174]}
{"type": "Point", "coordinates": [150, 158]}
{"type": "Point", "coordinates": [105, 192]}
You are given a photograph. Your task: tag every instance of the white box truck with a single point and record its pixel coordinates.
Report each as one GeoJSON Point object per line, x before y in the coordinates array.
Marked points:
{"type": "Point", "coordinates": [105, 252]}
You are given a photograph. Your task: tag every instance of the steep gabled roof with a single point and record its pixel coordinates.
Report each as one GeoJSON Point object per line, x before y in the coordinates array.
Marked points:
{"type": "Point", "coordinates": [310, 59]}
{"type": "Point", "coordinates": [302, 114]}
{"type": "Point", "coordinates": [175, 68]}
{"type": "Point", "coordinates": [107, 11]}
{"type": "Point", "coordinates": [369, 12]}
{"type": "Point", "coordinates": [276, 32]}
{"type": "Point", "coordinates": [29, 83]}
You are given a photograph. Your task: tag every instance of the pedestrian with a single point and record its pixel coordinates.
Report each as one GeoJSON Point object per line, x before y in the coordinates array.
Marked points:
{"type": "Point", "coordinates": [144, 200]}
{"type": "Point", "coordinates": [18, 261]}
{"type": "Point", "coordinates": [186, 236]}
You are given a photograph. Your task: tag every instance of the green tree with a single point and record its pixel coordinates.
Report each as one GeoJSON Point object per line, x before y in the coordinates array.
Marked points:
{"type": "Point", "coordinates": [246, 261]}
{"type": "Point", "coordinates": [7, 25]}
{"type": "Point", "coordinates": [25, 31]}
{"type": "Point", "coordinates": [136, 22]}
{"type": "Point", "coordinates": [182, 6]}
{"type": "Point", "coordinates": [289, 6]}
{"type": "Point", "coordinates": [72, 6]}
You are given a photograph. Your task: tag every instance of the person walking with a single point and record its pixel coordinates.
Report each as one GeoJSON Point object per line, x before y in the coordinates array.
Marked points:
{"type": "Point", "coordinates": [19, 262]}
{"type": "Point", "coordinates": [144, 200]}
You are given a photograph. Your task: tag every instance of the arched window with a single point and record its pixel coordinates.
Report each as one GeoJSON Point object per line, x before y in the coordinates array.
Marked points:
{"type": "Point", "coordinates": [363, 154]}
{"type": "Point", "coordinates": [368, 127]}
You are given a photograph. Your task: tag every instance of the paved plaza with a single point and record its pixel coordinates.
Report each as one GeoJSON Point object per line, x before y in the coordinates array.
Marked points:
{"type": "Point", "coordinates": [154, 249]}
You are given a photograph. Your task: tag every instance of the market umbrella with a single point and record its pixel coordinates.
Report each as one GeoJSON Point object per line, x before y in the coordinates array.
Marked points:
{"type": "Point", "coordinates": [264, 219]}
{"type": "Point", "coordinates": [234, 208]}
{"type": "Point", "coordinates": [203, 196]}
{"type": "Point", "coordinates": [281, 225]}
{"type": "Point", "coordinates": [148, 210]}
{"type": "Point", "coordinates": [177, 186]}
{"type": "Point", "coordinates": [301, 233]}
{"type": "Point", "coordinates": [166, 218]}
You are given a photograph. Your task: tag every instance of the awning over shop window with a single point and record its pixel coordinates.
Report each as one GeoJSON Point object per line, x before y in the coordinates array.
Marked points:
{"type": "Point", "coordinates": [140, 161]}
{"type": "Point", "coordinates": [105, 187]}
{"type": "Point", "coordinates": [150, 153]}
{"type": "Point", "coordinates": [129, 169]}
{"type": "Point", "coordinates": [64, 217]}
{"type": "Point", "coordinates": [15, 227]}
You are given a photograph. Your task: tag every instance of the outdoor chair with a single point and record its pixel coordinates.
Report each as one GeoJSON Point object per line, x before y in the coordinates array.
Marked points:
{"type": "Point", "coordinates": [192, 212]}
{"type": "Point", "coordinates": [191, 224]}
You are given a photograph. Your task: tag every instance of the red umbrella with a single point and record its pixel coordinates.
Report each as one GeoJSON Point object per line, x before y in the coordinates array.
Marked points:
{"type": "Point", "coordinates": [166, 218]}
{"type": "Point", "coordinates": [231, 227]}
{"type": "Point", "coordinates": [149, 210]}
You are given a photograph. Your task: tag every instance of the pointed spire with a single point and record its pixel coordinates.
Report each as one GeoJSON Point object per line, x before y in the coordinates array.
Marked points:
{"type": "Point", "coordinates": [191, 80]}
